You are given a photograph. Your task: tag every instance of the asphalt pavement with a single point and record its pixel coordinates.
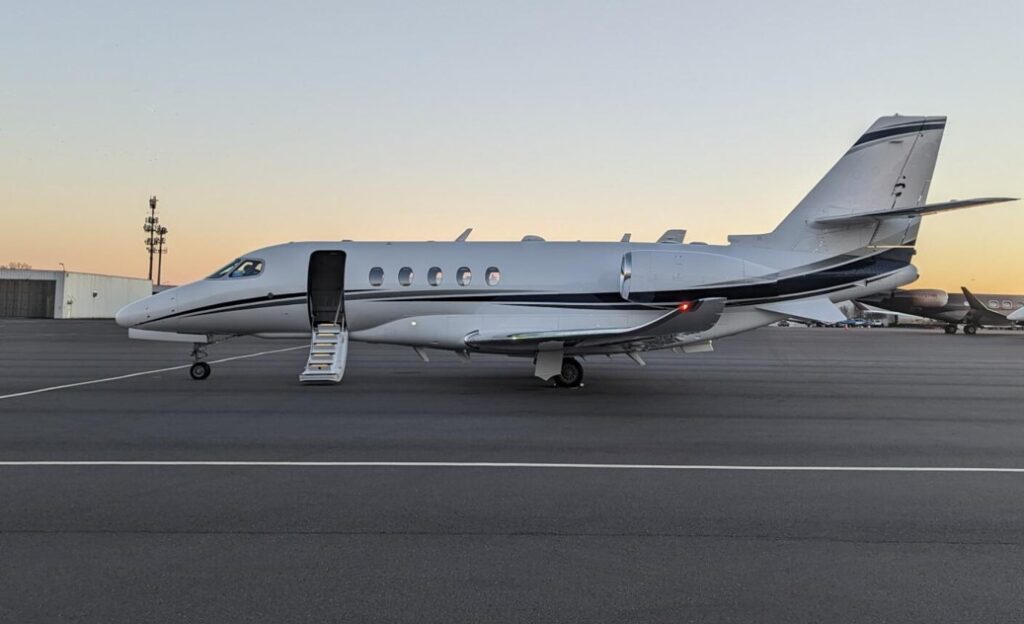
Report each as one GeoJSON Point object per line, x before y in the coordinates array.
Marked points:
{"type": "Point", "coordinates": [765, 481]}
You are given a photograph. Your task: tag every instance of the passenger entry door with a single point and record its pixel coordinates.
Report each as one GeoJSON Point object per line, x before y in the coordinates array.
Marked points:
{"type": "Point", "coordinates": [325, 287]}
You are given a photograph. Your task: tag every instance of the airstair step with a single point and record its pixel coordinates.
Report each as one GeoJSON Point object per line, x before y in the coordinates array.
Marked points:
{"type": "Point", "coordinates": [328, 351]}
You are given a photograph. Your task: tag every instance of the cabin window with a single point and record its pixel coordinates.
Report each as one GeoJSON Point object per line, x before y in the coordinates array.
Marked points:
{"type": "Point", "coordinates": [1007, 305]}
{"type": "Point", "coordinates": [405, 276]}
{"type": "Point", "coordinates": [376, 276]}
{"type": "Point", "coordinates": [434, 276]}
{"type": "Point", "coordinates": [463, 276]}
{"type": "Point", "coordinates": [993, 303]}
{"type": "Point", "coordinates": [493, 276]}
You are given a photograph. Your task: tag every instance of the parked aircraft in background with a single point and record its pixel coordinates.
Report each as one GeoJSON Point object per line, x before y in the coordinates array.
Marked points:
{"type": "Point", "coordinates": [954, 309]}
{"type": "Point", "coordinates": [851, 237]}
{"type": "Point", "coordinates": [992, 310]}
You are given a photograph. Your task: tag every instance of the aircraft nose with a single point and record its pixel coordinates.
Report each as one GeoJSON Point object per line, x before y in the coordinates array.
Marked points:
{"type": "Point", "coordinates": [130, 315]}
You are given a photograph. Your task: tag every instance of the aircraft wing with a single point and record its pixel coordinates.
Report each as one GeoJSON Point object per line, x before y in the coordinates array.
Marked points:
{"type": "Point", "coordinates": [686, 318]}
{"type": "Point", "coordinates": [819, 309]}
{"type": "Point", "coordinates": [916, 211]}
{"type": "Point", "coordinates": [1017, 316]}
{"type": "Point", "coordinates": [981, 313]}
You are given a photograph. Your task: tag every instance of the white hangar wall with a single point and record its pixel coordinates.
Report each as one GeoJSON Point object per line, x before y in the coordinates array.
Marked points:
{"type": "Point", "coordinates": [67, 295]}
{"type": "Point", "coordinates": [87, 295]}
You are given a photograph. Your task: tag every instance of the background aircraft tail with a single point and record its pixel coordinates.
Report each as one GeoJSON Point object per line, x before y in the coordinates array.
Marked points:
{"type": "Point", "coordinates": [888, 168]}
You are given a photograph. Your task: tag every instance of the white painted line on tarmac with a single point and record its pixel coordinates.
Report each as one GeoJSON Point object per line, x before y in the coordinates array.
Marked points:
{"type": "Point", "coordinates": [144, 373]}
{"type": "Point", "coordinates": [440, 464]}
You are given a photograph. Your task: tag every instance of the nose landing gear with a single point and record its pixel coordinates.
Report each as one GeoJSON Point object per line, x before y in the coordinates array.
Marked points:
{"type": "Point", "coordinates": [200, 370]}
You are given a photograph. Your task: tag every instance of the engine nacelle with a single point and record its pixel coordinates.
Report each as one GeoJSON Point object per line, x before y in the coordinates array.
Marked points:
{"type": "Point", "coordinates": [646, 272]}
{"type": "Point", "coordinates": [925, 297]}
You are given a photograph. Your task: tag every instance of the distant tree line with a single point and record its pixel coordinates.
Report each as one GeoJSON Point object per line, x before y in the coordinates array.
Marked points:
{"type": "Point", "coordinates": [16, 265]}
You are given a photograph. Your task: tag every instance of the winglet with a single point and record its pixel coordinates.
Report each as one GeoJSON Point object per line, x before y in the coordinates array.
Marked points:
{"type": "Point", "coordinates": [462, 237]}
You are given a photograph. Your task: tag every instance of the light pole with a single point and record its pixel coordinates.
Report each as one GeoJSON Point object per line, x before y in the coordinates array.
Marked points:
{"type": "Point", "coordinates": [161, 233]}
{"type": "Point", "coordinates": [155, 237]}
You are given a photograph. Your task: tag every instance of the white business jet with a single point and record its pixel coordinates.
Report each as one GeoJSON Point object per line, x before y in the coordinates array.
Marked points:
{"type": "Point", "coordinates": [557, 302]}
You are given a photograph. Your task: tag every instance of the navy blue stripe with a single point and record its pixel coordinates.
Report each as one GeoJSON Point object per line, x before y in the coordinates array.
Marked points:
{"type": "Point", "coordinates": [266, 304]}
{"type": "Point", "coordinates": [225, 304]}
{"type": "Point", "coordinates": [832, 278]}
{"type": "Point", "coordinates": [897, 130]}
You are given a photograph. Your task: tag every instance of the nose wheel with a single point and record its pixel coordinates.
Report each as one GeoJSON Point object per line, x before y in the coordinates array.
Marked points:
{"type": "Point", "coordinates": [199, 370]}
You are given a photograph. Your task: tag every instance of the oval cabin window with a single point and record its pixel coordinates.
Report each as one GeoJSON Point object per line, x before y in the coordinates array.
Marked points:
{"type": "Point", "coordinates": [493, 276]}
{"type": "Point", "coordinates": [405, 276]}
{"type": "Point", "coordinates": [463, 276]}
{"type": "Point", "coordinates": [434, 276]}
{"type": "Point", "coordinates": [376, 276]}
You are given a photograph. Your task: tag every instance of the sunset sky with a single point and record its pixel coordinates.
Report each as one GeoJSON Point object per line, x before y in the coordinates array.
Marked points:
{"type": "Point", "coordinates": [257, 123]}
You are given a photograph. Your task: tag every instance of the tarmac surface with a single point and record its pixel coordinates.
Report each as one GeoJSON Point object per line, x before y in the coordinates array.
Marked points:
{"type": "Point", "coordinates": [283, 541]}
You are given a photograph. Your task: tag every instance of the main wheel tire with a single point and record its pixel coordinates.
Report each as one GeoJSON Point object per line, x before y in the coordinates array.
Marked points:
{"type": "Point", "coordinates": [571, 375]}
{"type": "Point", "coordinates": [950, 329]}
{"type": "Point", "coordinates": [199, 371]}
{"type": "Point", "coordinates": [970, 330]}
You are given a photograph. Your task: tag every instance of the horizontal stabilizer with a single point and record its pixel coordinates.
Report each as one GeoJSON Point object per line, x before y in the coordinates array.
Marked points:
{"type": "Point", "coordinates": [819, 309]}
{"type": "Point", "coordinates": [916, 211]}
{"type": "Point", "coordinates": [687, 318]}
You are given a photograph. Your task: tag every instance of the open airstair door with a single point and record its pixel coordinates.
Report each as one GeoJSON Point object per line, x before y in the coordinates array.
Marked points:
{"type": "Point", "coordinates": [325, 292]}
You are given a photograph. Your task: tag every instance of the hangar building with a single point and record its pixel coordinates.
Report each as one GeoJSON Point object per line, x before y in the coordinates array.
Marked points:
{"type": "Point", "coordinates": [27, 293]}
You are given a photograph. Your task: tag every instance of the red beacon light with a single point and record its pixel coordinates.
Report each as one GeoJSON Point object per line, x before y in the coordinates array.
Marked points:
{"type": "Point", "coordinates": [685, 306]}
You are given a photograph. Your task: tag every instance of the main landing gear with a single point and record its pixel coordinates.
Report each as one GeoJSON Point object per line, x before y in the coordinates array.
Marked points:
{"type": "Point", "coordinates": [970, 330]}
{"type": "Point", "coordinates": [950, 329]}
{"type": "Point", "coordinates": [571, 375]}
{"type": "Point", "coordinates": [200, 370]}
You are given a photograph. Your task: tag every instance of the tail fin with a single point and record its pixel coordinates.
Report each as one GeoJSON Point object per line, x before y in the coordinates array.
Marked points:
{"type": "Point", "coordinates": [889, 167]}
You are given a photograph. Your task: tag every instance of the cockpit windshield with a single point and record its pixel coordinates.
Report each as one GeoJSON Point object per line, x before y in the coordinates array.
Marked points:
{"type": "Point", "coordinates": [239, 267]}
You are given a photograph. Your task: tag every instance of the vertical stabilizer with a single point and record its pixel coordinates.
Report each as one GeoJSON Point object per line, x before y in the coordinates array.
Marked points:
{"type": "Point", "coordinates": [890, 166]}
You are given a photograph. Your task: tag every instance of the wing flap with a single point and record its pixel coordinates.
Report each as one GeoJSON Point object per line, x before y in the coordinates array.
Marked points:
{"type": "Point", "coordinates": [916, 211]}
{"type": "Point", "coordinates": [820, 309]}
